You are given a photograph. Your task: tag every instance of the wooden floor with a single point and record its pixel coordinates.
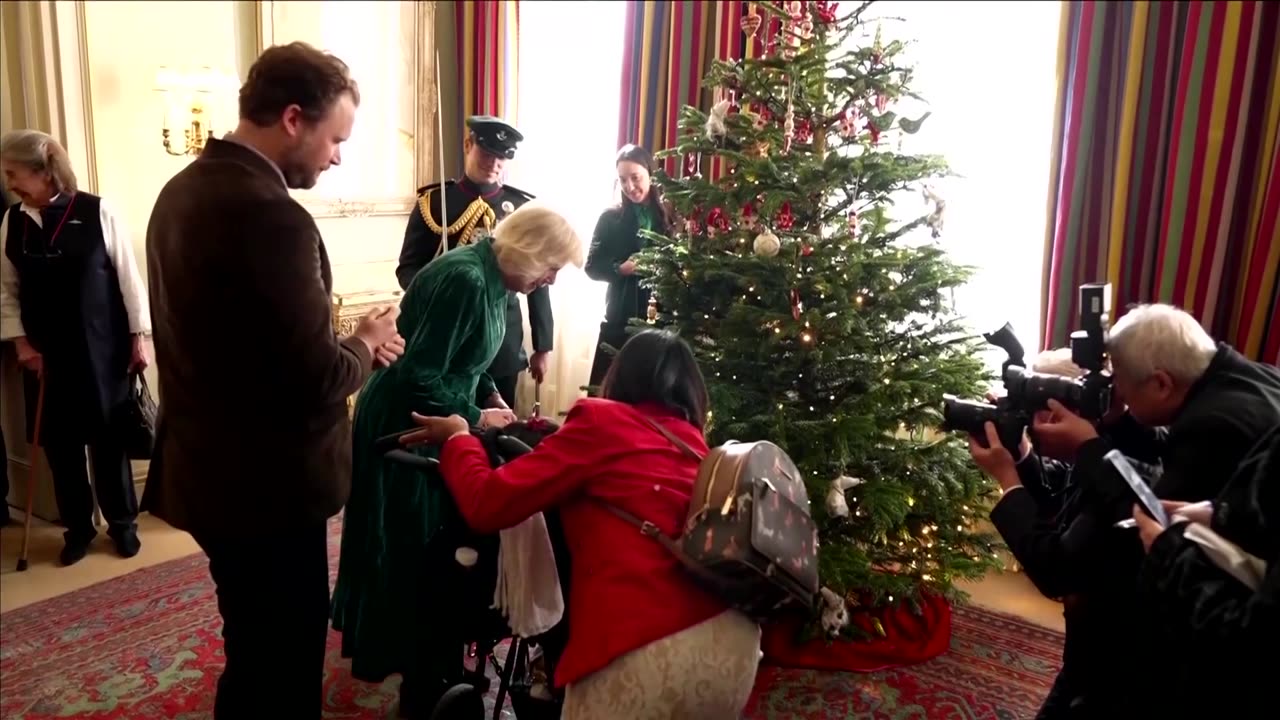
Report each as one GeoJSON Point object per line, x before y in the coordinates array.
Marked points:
{"type": "Point", "coordinates": [1005, 592]}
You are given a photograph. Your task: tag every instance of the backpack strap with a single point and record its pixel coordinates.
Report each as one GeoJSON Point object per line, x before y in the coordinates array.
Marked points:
{"type": "Point", "coordinates": [709, 579]}
{"type": "Point", "coordinates": [684, 447]}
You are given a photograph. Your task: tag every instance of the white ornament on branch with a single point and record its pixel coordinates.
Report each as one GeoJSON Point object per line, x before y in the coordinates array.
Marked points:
{"type": "Point", "coordinates": [837, 506]}
{"type": "Point", "coordinates": [835, 612]}
{"type": "Point", "coordinates": [935, 218]}
{"type": "Point", "coordinates": [766, 244]}
{"type": "Point", "coordinates": [716, 125]}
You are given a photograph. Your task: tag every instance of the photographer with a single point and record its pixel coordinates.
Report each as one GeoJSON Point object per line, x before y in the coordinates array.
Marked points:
{"type": "Point", "coordinates": [1203, 404]}
{"type": "Point", "coordinates": [1215, 404]}
{"type": "Point", "coordinates": [1051, 525]}
{"type": "Point", "coordinates": [1211, 583]}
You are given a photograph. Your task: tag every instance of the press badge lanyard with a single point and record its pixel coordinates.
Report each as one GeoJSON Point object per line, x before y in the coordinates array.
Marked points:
{"type": "Point", "coordinates": [52, 238]}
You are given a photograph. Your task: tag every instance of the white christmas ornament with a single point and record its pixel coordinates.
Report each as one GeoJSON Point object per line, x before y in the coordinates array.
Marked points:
{"type": "Point", "coordinates": [716, 127]}
{"type": "Point", "coordinates": [835, 613]}
{"type": "Point", "coordinates": [766, 244]}
{"type": "Point", "coordinates": [837, 506]}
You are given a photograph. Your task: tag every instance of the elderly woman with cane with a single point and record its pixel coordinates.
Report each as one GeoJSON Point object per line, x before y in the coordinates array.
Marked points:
{"type": "Point", "coordinates": [73, 303]}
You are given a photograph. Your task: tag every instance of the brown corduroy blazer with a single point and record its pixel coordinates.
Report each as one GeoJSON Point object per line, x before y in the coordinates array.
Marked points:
{"type": "Point", "coordinates": [252, 435]}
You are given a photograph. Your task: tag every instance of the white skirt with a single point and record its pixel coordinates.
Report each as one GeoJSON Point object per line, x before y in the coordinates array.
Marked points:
{"type": "Point", "coordinates": [705, 672]}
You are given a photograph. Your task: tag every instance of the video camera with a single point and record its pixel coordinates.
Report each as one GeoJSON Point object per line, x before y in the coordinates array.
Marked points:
{"type": "Point", "coordinates": [1027, 392]}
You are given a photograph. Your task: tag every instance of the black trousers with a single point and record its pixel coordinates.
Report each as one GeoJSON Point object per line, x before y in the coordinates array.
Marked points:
{"type": "Point", "coordinates": [615, 335]}
{"type": "Point", "coordinates": [273, 595]}
{"type": "Point", "coordinates": [113, 478]}
{"type": "Point", "coordinates": [506, 387]}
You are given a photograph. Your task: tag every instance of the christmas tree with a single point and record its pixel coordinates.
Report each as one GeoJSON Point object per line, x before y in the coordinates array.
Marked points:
{"type": "Point", "coordinates": [822, 319]}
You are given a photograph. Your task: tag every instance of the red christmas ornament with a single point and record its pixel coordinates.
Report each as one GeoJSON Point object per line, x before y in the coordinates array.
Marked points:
{"type": "Point", "coordinates": [716, 222]}
{"type": "Point", "coordinates": [785, 219]}
{"type": "Point", "coordinates": [804, 130]}
{"type": "Point", "coordinates": [825, 10]}
{"type": "Point", "coordinates": [806, 250]}
{"type": "Point", "coordinates": [797, 306]}
{"type": "Point", "coordinates": [748, 216]}
{"type": "Point", "coordinates": [691, 224]}
{"type": "Point", "coordinates": [848, 123]}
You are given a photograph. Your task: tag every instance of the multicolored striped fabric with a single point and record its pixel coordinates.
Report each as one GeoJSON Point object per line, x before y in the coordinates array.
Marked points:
{"type": "Point", "coordinates": [488, 52]}
{"type": "Point", "coordinates": [668, 49]}
{"type": "Point", "coordinates": [1166, 168]}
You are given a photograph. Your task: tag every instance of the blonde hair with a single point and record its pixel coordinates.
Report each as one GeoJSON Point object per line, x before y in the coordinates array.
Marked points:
{"type": "Point", "coordinates": [1160, 337]}
{"type": "Point", "coordinates": [1057, 362]}
{"type": "Point", "coordinates": [535, 239]}
{"type": "Point", "coordinates": [40, 153]}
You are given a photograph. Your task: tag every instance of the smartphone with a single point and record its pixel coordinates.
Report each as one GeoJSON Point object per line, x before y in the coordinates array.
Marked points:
{"type": "Point", "coordinates": [1146, 498]}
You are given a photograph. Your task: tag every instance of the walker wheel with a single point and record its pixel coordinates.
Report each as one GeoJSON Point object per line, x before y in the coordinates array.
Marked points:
{"type": "Point", "coordinates": [460, 702]}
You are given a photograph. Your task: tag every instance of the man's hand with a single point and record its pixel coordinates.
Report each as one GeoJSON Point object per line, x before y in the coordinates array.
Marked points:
{"type": "Point", "coordinates": [1061, 434]}
{"type": "Point", "coordinates": [140, 360]}
{"type": "Point", "coordinates": [378, 327]}
{"type": "Point", "coordinates": [28, 357]}
{"type": "Point", "coordinates": [496, 418]}
{"type": "Point", "coordinates": [389, 352]}
{"type": "Point", "coordinates": [627, 268]}
{"type": "Point", "coordinates": [434, 430]}
{"type": "Point", "coordinates": [495, 401]}
{"type": "Point", "coordinates": [994, 459]}
{"type": "Point", "coordinates": [538, 366]}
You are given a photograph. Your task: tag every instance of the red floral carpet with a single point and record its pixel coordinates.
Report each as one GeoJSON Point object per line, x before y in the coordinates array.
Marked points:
{"type": "Point", "coordinates": [157, 655]}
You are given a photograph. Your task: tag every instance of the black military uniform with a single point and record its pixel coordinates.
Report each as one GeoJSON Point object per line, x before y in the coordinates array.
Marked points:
{"type": "Point", "coordinates": [473, 207]}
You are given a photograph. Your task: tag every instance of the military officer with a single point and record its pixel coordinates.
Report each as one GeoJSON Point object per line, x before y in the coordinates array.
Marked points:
{"type": "Point", "coordinates": [475, 203]}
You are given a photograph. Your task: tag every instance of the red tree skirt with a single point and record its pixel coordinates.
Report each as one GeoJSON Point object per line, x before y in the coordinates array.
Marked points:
{"type": "Point", "coordinates": [909, 639]}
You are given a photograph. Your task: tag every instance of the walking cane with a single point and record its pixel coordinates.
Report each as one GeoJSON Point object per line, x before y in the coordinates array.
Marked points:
{"type": "Point", "coordinates": [31, 477]}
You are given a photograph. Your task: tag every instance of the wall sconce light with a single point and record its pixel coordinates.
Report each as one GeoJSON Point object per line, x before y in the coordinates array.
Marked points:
{"type": "Point", "coordinates": [191, 92]}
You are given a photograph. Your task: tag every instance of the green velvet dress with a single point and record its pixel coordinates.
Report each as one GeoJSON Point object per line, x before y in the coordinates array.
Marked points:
{"type": "Point", "coordinates": [452, 317]}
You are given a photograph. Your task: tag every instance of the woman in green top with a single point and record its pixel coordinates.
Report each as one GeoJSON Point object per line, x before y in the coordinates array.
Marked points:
{"type": "Point", "coordinates": [617, 237]}
{"type": "Point", "coordinates": [452, 316]}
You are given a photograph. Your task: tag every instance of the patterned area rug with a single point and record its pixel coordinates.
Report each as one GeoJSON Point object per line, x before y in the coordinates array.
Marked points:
{"type": "Point", "coordinates": [157, 655]}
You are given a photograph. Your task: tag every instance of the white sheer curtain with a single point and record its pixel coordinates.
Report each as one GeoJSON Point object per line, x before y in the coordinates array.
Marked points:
{"type": "Point", "coordinates": [569, 85]}
{"type": "Point", "coordinates": [987, 71]}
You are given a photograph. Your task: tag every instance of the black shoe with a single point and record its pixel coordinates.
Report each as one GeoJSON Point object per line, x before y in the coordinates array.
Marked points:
{"type": "Point", "coordinates": [127, 543]}
{"type": "Point", "coordinates": [73, 552]}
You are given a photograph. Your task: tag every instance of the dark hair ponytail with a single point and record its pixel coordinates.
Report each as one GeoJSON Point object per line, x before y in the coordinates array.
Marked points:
{"type": "Point", "coordinates": [640, 156]}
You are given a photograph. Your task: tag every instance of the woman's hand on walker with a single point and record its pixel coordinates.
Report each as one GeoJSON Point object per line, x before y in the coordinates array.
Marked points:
{"type": "Point", "coordinates": [434, 430]}
{"type": "Point", "coordinates": [496, 418]}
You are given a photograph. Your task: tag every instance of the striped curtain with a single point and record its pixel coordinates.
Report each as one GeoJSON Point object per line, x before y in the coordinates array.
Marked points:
{"type": "Point", "coordinates": [668, 48]}
{"type": "Point", "coordinates": [1166, 166]}
{"type": "Point", "coordinates": [487, 41]}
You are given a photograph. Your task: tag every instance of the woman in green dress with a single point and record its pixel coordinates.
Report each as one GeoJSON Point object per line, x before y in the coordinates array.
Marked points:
{"type": "Point", "coordinates": [453, 316]}
{"type": "Point", "coordinates": [616, 238]}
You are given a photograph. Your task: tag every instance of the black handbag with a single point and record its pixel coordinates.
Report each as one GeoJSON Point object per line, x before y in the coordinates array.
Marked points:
{"type": "Point", "coordinates": [139, 422]}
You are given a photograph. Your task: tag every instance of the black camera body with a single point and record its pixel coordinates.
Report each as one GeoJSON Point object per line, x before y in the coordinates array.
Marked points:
{"type": "Point", "coordinates": [1027, 392]}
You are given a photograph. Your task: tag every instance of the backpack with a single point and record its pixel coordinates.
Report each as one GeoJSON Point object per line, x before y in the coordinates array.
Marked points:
{"type": "Point", "coordinates": [749, 538]}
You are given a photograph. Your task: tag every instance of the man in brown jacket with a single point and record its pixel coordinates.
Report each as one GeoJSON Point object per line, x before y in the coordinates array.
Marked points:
{"type": "Point", "coordinates": [253, 443]}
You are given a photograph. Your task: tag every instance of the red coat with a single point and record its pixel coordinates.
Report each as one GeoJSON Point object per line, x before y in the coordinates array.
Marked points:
{"type": "Point", "coordinates": [627, 590]}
